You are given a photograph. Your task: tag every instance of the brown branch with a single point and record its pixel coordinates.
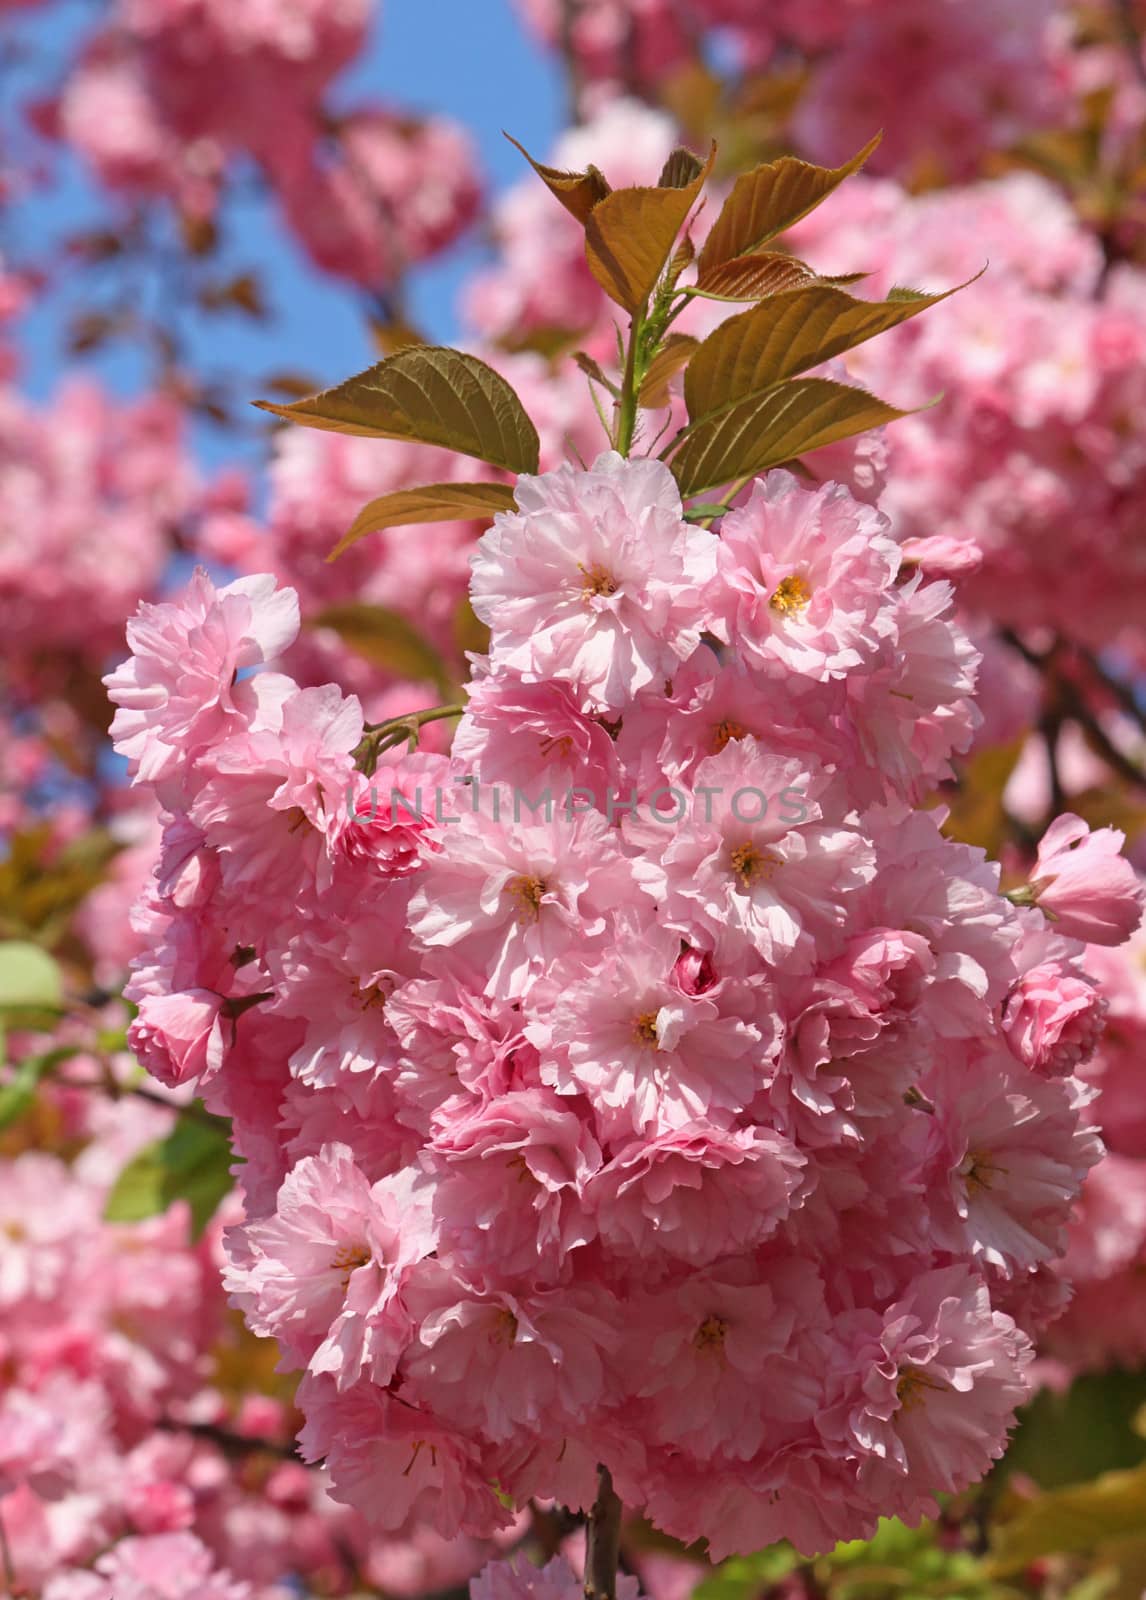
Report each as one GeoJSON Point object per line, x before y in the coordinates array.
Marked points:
{"type": "Point", "coordinates": [1128, 27]}
{"type": "Point", "coordinates": [570, 10]}
{"type": "Point", "coordinates": [1122, 692]}
{"type": "Point", "coordinates": [1069, 704]}
{"type": "Point", "coordinates": [603, 1546]}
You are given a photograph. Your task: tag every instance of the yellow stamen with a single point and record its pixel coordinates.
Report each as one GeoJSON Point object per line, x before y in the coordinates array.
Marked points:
{"type": "Point", "coordinates": [710, 1334]}
{"type": "Point", "coordinates": [724, 731]}
{"type": "Point", "coordinates": [792, 595]}
{"type": "Point", "coordinates": [528, 892]}
{"type": "Point", "coordinates": [598, 580]}
{"type": "Point", "coordinates": [645, 1028]}
{"type": "Point", "coordinates": [505, 1327]}
{"type": "Point", "coordinates": [373, 999]}
{"type": "Point", "coordinates": [348, 1258]}
{"type": "Point", "coordinates": [750, 863]}
{"type": "Point", "coordinates": [912, 1383]}
{"type": "Point", "coordinates": [978, 1170]}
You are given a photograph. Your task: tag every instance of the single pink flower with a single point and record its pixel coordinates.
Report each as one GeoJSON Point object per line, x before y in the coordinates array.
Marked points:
{"type": "Point", "coordinates": [1082, 883]}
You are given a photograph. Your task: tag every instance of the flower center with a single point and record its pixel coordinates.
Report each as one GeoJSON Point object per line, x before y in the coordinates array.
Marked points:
{"type": "Point", "coordinates": [750, 863]}
{"type": "Point", "coordinates": [725, 730]}
{"type": "Point", "coordinates": [372, 999]}
{"type": "Point", "coordinates": [710, 1334]}
{"type": "Point", "coordinates": [792, 595]}
{"type": "Point", "coordinates": [528, 892]}
{"type": "Point", "coordinates": [504, 1327]}
{"type": "Point", "coordinates": [978, 1170]}
{"type": "Point", "coordinates": [909, 1390]}
{"type": "Point", "coordinates": [298, 819]}
{"type": "Point", "coordinates": [645, 1028]}
{"type": "Point", "coordinates": [597, 580]}
{"type": "Point", "coordinates": [348, 1258]}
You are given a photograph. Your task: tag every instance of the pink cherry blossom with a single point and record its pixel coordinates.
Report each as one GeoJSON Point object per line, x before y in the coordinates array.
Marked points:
{"type": "Point", "coordinates": [804, 578]}
{"type": "Point", "coordinates": [1083, 886]}
{"type": "Point", "coordinates": [177, 690]}
{"type": "Point", "coordinates": [596, 580]}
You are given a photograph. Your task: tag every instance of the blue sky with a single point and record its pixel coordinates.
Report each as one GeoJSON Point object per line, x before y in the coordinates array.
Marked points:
{"type": "Point", "coordinates": [470, 59]}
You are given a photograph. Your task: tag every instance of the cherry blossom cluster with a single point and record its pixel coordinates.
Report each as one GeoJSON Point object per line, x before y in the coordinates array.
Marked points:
{"type": "Point", "coordinates": [1038, 458]}
{"type": "Point", "coordinates": [144, 1444]}
{"type": "Point", "coordinates": [166, 97]}
{"type": "Point", "coordinates": [647, 1081]}
{"type": "Point", "coordinates": [948, 81]}
{"type": "Point", "coordinates": [1029, 481]}
{"type": "Point", "coordinates": [105, 486]}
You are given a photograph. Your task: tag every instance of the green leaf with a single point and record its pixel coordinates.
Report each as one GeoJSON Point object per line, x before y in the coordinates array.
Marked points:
{"type": "Point", "coordinates": [578, 192]}
{"type": "Point", "coordinates": [630, 234]}
{"type": "Point", "coordinates": [432, 395]}
{"type": "Point", "coordinates": [18, 1095]}
{"type": "Point", "coordinates": [435, 502]}
{"type": "Point", "coordinates": [29, 980]}
{"type": "Point", "coordinates": [769, 199]}
{"type": "Point", "coordinates": [752, 277]}
{"type": "Point", "coordinates": [788, 334]}
{"type": "Point", "coordinates": [385, 638]}
{"type": "Point", "coordinates": [746, 1577]}
{"type": "Point", "coordinates": [1078, 1518]}
{"type": "Point", "coordinates": [762, 430]}
{"type": "Point", "coordinates": [1065, 1436]}
{"type": "Point", "coordinates": [193, 1164]}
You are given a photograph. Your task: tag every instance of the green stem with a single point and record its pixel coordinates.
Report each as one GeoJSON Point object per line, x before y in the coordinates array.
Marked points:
{"type": "Point", "coordinates": [380, 736]}
{"type": "Point", "coordinates": [627, 409]}
{"type": "Point", "coordinates": [414, 719]}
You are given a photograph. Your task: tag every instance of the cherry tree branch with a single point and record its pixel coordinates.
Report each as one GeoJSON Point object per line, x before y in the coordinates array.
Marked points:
{"type": "Point", "coordinates": [603, 1547]}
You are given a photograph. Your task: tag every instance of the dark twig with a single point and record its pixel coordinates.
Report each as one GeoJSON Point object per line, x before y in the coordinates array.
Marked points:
{"type": "Point", "coordinates": [1069, 704]}
{"type": "Point", "coordinates": [603, 1546]}
{"type": "Point", "coordinates": [570, 11]}
{"type": "Point", "coordinates": [1122, 692]}
{"type": "Point", "coordinates": [1130, 37]}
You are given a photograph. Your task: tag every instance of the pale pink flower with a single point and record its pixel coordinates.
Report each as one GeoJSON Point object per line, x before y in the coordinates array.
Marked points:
{"type": "Point", "coordinates": [753, 866]}
{"type": "Point", "coordinates": [270, 796]}
{"type": "Point", "coordinates": [695, 1192]}
{"type": "Point", "coordinates": [1011, 1153]}
{"type": "Point", "coordinates": [804, 578]}
{"type": "Point", "coordinates": [595, 580]}
{"type": "Point", "coordinates": [926, 1389]}
{"type": "Point", "coordinates": [395, 1463]}
{"type": "Point", "coordinates": [180, 1037]}
{"type": "Point", "coordinates": [519, 1579]}
{"type": "Point", "coordinates": [698, 1349]}
{"type": "Point", "coordinates": [510, 896]}
{"type": "Point", "coordinates": [177, 691]}
{"type": "Point", "coordinates": [619, 1029]}
{"type": "Point", "coordinates": [497, 1363]}
{"type": "Point", "coordinates": [509, 1181]}
{"type": "Point", "coordinates": [324, 1275]}
{"type": "Point", "coordinates": [1054, 1014]}
{"type": "Point", "coordinates": [1083, 885]}
{"type": "Point", "coordinates": [168, 1566]}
